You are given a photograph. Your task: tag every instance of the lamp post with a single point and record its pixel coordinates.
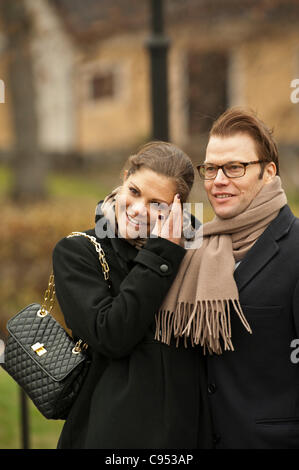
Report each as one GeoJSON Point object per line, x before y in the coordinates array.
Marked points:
{"type": "Point", "coordinates": [158, 45]}
{"type": "Point", "coordinates": [24, 420]}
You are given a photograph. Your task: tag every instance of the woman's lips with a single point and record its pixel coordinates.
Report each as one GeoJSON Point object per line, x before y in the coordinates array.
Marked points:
{"type": "Point", "coordinates": [135, 222]}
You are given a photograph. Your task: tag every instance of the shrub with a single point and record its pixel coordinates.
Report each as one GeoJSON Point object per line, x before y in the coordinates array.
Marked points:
{"type": "Point", "coordinates": [28, 235]}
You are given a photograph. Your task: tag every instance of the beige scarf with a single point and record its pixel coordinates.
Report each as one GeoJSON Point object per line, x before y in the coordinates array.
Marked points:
{"type": "Point", "coordinates": [198, 304]}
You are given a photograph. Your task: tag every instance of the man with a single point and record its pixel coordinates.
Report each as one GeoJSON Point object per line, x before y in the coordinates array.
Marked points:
{"type": "Point", "coordinates": [254, 387]}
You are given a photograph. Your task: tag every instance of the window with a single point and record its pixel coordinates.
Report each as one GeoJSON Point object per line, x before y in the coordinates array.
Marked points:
{"type": "Point", "coordinates": [102, 86]}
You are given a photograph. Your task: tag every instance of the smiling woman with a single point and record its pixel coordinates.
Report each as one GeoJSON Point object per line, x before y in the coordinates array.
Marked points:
{"type": "Point", "coordinates": [142, 197]}
{"type": "Point", "coordinates": [158, 172]}
{"type": "Point", "coordinates": [134, 395]}
{"type": "Point", "coordinates": [149, 202]}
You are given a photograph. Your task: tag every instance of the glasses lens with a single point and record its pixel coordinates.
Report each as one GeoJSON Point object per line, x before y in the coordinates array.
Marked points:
{"type": "Point", "coordinates": [234, 170]}
{"type": "Point", "coordinates": [207, 172]}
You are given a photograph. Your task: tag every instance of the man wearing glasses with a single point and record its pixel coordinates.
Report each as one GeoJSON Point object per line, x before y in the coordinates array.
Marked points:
{"type": "Point", "coordinates": [253, 385]}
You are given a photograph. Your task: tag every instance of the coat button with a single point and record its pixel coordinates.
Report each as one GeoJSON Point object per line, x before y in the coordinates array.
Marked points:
{"type": "Point", "coordinates": [164, 268]}
{"type": "Point", "coordinates": [212, 388]}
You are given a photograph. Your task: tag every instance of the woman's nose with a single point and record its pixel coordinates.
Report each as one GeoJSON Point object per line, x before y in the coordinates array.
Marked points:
{"type": "Point", "coordinates": [138, 208]}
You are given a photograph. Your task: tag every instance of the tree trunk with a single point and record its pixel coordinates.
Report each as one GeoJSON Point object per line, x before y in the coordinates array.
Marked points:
{"type": "Point", "coordinates": [28, 163]}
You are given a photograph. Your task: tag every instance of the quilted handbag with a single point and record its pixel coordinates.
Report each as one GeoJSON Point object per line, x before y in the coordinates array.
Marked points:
{"type": "Point", "coordinates": [41, 356]}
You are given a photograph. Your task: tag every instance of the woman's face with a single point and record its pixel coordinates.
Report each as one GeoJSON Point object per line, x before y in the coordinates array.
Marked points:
{"type": "Point", "coordinates": [144, 196]}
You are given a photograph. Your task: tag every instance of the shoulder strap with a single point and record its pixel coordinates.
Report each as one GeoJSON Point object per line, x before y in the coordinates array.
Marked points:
{"type": "Point", "coordinates": [99, 249]}
{"type": "Point", "coordinates": [49, 296]}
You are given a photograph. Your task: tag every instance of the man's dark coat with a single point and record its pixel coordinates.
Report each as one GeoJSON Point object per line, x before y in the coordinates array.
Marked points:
{"type": "Point", "coordinates": [254, 390]}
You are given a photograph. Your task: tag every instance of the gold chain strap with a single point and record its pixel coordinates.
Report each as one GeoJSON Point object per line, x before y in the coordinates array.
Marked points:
{"type": "Point", "coordinates": [99, 249]}
{"type": "Point", "coordinates": [49, 296]}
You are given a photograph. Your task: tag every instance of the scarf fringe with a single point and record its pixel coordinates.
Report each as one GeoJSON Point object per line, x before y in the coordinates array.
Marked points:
{"type": "Point", "coordinates": [207, 323]}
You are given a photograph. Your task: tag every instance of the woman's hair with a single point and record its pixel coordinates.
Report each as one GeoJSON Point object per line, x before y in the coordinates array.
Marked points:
{"type": "Point", "coordinates": [165, 159]}
{"type": "Point", "coordinates": [236, 120]}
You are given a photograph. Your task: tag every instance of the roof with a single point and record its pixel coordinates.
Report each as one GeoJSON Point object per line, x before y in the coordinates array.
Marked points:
{"type": "Point", "coordinates": [90, 20]}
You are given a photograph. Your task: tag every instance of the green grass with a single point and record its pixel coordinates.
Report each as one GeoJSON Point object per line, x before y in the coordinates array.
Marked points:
{"type": "Point", "coordinates": [70, 184]}
{"type": "Point", "coordinates": [61, 185]}
{"type": "Point", "coordinates": [44, 434]}
{"type": "Point", "coordinates": [5, 180]}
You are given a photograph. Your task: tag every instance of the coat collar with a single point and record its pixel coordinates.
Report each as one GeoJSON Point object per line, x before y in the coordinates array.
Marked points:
{"type": "Point", "coordinates": [265, 248]}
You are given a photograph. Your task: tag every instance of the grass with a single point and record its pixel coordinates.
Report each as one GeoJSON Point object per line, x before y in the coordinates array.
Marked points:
{"type": "Point", "coordinates": [70, 184]}
{"type": "Point", "coordinates": [44, 434]}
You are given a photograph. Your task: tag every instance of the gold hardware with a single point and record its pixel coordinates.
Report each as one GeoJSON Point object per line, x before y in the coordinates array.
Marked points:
{"type": "Point", "coordinates": [42, 313]}
{"type": "Point", "coordinates": [79, 347]}
{"type": "Point", "coordinates": [99, 249]}
{"type": "Point", "coordinates": [49, 297]}
{"type": "Point", "coordinates": [39, 349]}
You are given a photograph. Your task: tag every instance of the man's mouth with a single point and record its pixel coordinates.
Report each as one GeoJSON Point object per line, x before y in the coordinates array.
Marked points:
{"type": "Point", "coordinates": [223, 196]}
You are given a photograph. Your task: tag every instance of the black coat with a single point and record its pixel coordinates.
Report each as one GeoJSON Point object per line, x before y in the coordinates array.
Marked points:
{"type": "Point", "coordinates": [138, 393]}
{"type": "Point", "coordinates": [254, 390]}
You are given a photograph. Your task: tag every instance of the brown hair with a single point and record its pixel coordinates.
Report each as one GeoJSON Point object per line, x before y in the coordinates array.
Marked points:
{"type": "Point", "coordinates": [168, 160]}
{"type": "Point", "coordinates": [236, 120]}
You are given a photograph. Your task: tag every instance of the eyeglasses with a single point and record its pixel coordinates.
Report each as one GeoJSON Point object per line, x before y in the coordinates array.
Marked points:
{"type": "Point", "coordinates": [209, 171]}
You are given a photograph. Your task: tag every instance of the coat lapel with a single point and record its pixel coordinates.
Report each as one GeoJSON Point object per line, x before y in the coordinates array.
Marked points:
{"type": "Point", "coordinates": [264, 249]}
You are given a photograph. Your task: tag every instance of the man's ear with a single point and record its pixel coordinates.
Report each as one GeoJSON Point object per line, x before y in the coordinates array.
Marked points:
{"type": "Point", "coordinates": [269, 172]}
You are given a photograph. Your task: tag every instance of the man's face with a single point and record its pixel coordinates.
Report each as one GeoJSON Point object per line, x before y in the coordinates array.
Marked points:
{"type": "Point", "coordinates": [231, 196]}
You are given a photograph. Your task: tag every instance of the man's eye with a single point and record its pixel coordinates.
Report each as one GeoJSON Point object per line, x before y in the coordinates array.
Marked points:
{"type": "Point", "coordinates": [210, 168]}
{"type": "Point", "coordinates": [234, 167]}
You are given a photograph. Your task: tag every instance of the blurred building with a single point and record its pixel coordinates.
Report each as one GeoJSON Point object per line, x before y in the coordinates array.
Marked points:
{"type": "Point", "coordinates": [92, 71]}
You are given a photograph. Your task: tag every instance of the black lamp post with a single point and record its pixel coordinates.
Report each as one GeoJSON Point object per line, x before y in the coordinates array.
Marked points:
{"type": "Point", "coordinates": [24, 420]}
{"type": "Point", "coordinates": [158, 45]}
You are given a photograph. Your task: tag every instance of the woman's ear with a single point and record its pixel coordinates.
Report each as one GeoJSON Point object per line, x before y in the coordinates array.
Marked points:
{"type": "Point", "coordinates": [125, 175]}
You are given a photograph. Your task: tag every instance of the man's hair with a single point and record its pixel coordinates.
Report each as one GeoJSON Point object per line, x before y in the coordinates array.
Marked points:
{"type": "Point", "coordinates": [237, 120]}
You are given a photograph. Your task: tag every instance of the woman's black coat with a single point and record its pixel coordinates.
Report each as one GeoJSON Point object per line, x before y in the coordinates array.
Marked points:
{"type": "Point", "coordinates": [138, 393]}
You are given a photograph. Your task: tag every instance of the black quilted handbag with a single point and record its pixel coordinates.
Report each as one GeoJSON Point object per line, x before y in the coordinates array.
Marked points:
{"type": "Point", "coordinates": [41, 356]}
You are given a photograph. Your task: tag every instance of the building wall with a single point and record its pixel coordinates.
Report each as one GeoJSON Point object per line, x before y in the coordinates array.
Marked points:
{"type": "Point", "coordinates": [124, 118]}
{"type": "Point", "coordinates": [259, 75]}
{"type": "Point", "coordinates": [270, 66]}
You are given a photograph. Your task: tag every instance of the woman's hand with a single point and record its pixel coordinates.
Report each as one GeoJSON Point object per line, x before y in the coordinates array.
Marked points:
{"type": "Point", "coordinates": [171, 226]}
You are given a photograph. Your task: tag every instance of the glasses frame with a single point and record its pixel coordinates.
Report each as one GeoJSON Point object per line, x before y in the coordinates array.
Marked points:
{"type": "Point", "coordinates": [245, 165]}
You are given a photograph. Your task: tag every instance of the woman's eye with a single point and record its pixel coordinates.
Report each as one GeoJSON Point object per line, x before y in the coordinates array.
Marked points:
{"type": "Point", "coordinates": [133, 191]}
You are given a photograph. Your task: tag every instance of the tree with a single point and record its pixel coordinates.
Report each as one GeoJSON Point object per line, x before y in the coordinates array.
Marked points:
{"type": "Point", "coordinates": [28, 163]}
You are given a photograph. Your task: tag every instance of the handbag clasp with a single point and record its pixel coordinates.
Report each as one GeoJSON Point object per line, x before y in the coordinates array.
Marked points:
{"type": "Point", "coordinates": [39, 349]}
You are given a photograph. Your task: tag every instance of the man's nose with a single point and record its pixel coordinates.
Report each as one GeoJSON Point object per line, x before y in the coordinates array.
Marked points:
{"type": "Point", "coordinates": [221, 178]}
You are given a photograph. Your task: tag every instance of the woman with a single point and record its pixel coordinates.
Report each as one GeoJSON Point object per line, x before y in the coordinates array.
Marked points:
{"type": "Point", "coordinates": [139, 392]}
